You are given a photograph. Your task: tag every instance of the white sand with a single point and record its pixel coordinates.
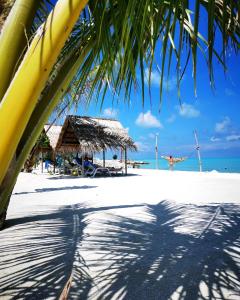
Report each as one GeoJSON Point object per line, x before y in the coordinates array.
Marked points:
{"type": "Point", "coordinates": [150, 235]}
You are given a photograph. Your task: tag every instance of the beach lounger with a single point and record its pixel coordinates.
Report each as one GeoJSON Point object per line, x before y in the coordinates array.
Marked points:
{"type": "Point", "coordinates": [115, 171]}
{"type": "Point", "coordinates": [98, 170]}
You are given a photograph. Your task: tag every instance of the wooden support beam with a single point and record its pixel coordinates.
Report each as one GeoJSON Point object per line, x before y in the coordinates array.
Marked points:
{"type": "Point", "coordinates": [54, 162]}
{"type": "Point", "coordinates": [104, 163]}
{"type": "Point", "coordinates": [125, 160]}
{"type": "Point", "coordinates": [41, 161]}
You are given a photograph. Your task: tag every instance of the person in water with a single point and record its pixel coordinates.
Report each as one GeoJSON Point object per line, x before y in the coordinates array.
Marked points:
{"type": "Point", "coordinates": [172, 160]}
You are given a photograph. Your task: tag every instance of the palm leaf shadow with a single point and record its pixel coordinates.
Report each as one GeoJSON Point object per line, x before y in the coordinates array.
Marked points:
{"type": "Point", "coordinates": [44, 251]}
{"type": "Point", "coordinates": [185, 252]}
{"type": "Point", "coordinates": [41, 248]}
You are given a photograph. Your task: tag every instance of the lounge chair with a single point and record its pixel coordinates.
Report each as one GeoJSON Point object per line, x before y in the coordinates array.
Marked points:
{"type": "Point", "coordinates": [70, 169]}
{"type": "Point", "coordinates": [97, 170]}
{"type": "Point", "coordinates": [115, 171]}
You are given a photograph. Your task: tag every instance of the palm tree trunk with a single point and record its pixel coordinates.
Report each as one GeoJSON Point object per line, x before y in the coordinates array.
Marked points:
{"type": "Point", "coordinates": [32, 75]}
{"type": "Point", "coordinates": [4, 186]}
{"type": "Point", "coordinates": [14, 38]}
{"type": "Point", "coordinates": [35, 125]}
{"type": "Point", "coordinates": [30, 161]}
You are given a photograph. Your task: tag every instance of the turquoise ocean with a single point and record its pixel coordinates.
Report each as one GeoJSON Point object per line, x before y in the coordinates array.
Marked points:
{"type": "Point", "coordinates": [226, 165]}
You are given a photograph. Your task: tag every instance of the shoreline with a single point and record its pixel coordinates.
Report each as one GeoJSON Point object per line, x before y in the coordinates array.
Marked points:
{"type": "Point", "coordinates": [223, 165]}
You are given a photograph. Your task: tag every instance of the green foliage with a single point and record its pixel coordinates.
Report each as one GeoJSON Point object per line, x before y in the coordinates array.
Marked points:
{"type": "Point", "coordinates": [127, 36]}
{"type": "Point", "coordinates": [129, 33]}
{"type": "Point", "coordinates": [43, 141]}
{"type": "Point", "coordinates": [114, 40]}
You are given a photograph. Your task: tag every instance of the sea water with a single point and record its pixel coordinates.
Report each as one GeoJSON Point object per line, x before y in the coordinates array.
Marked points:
{"type": "Point", "coordinates": [227, 165]}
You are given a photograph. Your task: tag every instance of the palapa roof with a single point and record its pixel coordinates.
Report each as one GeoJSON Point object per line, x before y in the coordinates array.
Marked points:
{"type": "Point", "coordinates": [53, 132]}
{"type": "Point", "coordinates": [84, 134]}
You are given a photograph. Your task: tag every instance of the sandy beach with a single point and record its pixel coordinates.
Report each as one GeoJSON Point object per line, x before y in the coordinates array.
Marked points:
{"type": "Point", "coordinates": [150, 235]}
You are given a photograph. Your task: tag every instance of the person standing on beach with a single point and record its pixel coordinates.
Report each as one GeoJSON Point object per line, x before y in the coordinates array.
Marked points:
{"type": "Point", "coordinates": [172, 160]}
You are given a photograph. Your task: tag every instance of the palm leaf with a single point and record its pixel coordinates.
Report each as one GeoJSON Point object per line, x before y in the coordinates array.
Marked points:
{"type": "Point", "coordinates": [130, 31]}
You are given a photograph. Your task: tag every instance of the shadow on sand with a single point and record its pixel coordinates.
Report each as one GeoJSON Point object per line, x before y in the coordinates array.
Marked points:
{"type": "Point", "coordinates": [97, 176]}
{"type": "Point", "coordinates": [170, 252]}
{"type": "Point", "coordinates": [63, 188]}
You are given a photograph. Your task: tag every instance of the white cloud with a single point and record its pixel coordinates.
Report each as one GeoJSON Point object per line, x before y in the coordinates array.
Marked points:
{"type": "Point", "coordinates": [110, 112]}
{"type": "Point", "coordinates": [171, 119]}
{"type": "Point", "coordinates": [188, 111]}
{"type": "Point", "coordinates": [142, 137]}
{"type": "Point", "coordinates": [143, 147]}
{"type": "Point", "coordinates": [214, 139]}
{"type": "Point", "coordinates": [229, 92]}
{"type": "Point", "coordinates": [152, 135]}
{"type": "Point", "coordinates": [220, 146]}
{"type": "Point", "coordinates": [233, 138]}
{"type": "Point", "coordinates": [155, 77]}
{"type": "Point", "coordinates": [168, 84]}
{"type": "Point", "coordinates": [148, 120]}
{"type": "Point", "coordinates": [223, 126]}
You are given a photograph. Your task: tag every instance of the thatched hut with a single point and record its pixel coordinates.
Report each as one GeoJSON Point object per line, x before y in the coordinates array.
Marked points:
{"type": "Point", "coordinates": [45, 146]}
{"type": "Point", "coordinates": [53, 132]}
{"type": "Point", "coordinates": [86, 134]}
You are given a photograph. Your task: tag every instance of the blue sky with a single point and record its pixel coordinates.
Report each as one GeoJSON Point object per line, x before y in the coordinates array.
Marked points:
{"type": "Point", "coordinates": [213, 113]}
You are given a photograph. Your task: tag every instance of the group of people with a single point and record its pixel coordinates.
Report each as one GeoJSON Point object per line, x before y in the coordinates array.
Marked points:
{"type": "Point", "coordinates": [69, 164]}
{"type": "Point", "coordinates": [87, 164]}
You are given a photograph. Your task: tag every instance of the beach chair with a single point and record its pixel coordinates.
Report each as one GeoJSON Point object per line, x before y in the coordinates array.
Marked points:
{"type": "Point", "coordinates": [49, 166]}
{"type": "Point", "coordinates": [97, 171]}
{"type": "Point", "coordinates": [115, 171]}
{"type": "Point", "coordinates": [69, 169]}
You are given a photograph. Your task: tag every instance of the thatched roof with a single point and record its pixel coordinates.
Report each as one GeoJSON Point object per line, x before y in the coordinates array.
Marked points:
{"type": "Point", "coordinates": [5, 7]}
{"type": "Point", "coordinates": [84, 134]}
{"type": "Point", "coordinates": [53, 132]}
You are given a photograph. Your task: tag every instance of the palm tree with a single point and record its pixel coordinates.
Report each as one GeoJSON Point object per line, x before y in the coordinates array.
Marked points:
{"type": "Point", "coordinates": [118, 40]}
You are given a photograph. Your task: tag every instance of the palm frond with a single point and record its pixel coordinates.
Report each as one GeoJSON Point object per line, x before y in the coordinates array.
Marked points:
{"type": "Point", "coordinates": [45, 6]}
{"type": "Point", "coordinates": [129, 33]}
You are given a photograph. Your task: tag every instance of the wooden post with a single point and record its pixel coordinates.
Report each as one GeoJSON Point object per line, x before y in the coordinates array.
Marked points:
{"type": "Point", "coordinates": [41, 161]}
{"type": "Point", "coordinates": [83, 158]}
{"type": "Point", "coordinates": [64, 164]}
{"type": "Point", "coordinates": [156, 150]}
{"type": "Point", "coordinates": [121, 155]}
{"type": "Point", "coordinates": [92, 157]}
{"type": "Point", "coordinates": [125, 159]}
{"type": "Point", "coordinates": [54, 162]}
{"type": "Point", "coordinates": [104, 159]}
{"type": "Point", "coordinates": [198, 151]}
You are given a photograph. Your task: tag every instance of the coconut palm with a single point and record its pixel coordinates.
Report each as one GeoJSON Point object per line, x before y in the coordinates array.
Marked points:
{"type": "Point", "coordinates": [113, 42]}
